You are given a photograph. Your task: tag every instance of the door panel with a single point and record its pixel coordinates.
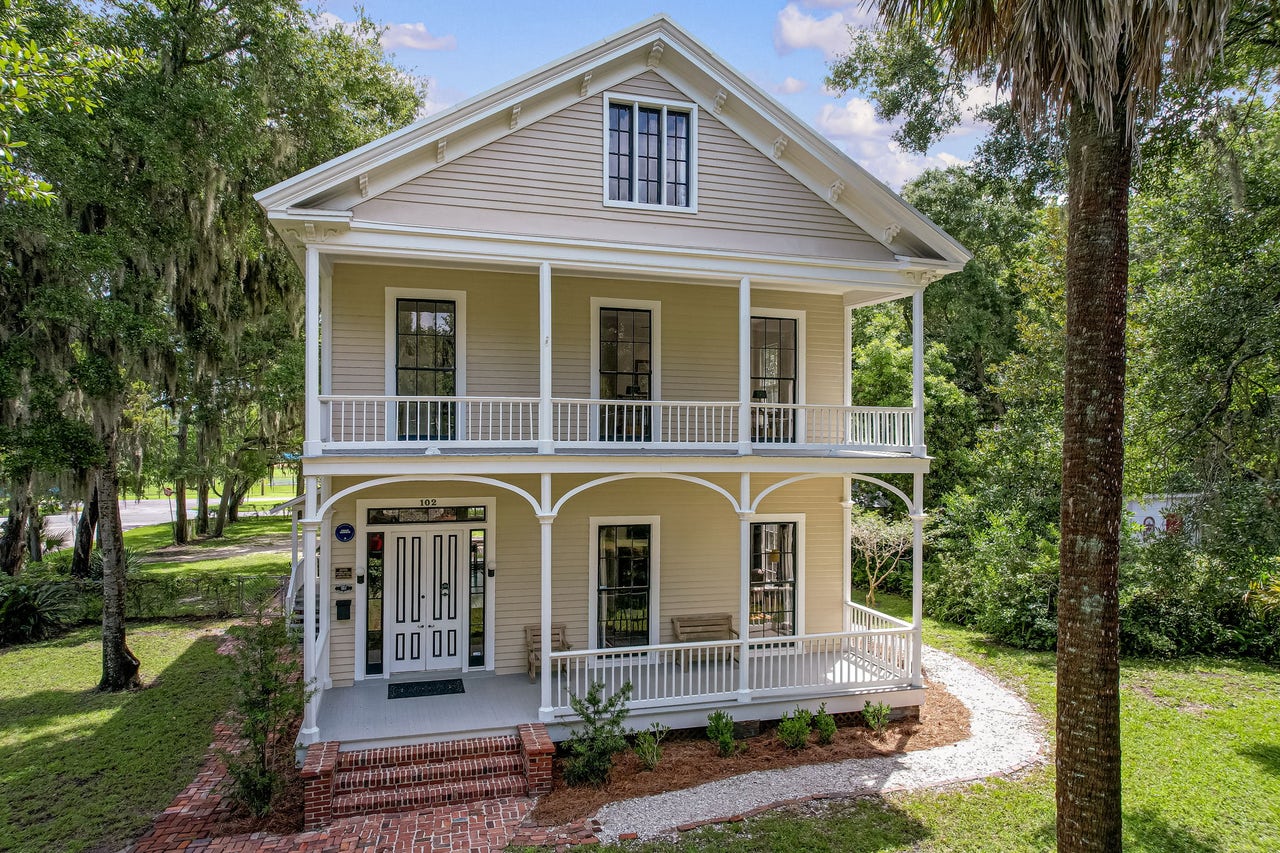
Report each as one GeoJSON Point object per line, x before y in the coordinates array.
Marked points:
{"type": "Point", "coordinates": [425, 618]}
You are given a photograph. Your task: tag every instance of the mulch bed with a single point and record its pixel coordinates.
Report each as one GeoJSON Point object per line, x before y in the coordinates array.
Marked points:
{"type": "Point", "coordinates": [687, 763]}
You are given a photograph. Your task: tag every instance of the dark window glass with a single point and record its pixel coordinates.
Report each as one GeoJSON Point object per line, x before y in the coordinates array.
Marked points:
{"type": "Point", "coordinates": [626, 372]}
{"type": "Point", "coordinates": [426, 366]}
{"type": "Point", "coordinates": [478, 579]}
{"type": "Point", "coordinates": [620, 152]}
{"type": "Point", "coordinates": [773, 377]}
{"type": "Point", "coordinates": [649, 156]}
{"type": "Point", "coordinates": [622, 586]}
{"type": "Point", "coordinates": [424, 514]}
{"type": "Point", "coordinates": [677, 177]}
{"type": "Point", "coordinates": [373, 604]}
{"type": "Point", "coordinates": [773, 579]}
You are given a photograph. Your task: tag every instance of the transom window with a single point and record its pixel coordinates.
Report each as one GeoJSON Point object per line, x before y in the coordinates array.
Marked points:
{"type": "Point", "coordinates": [424, 514]}
{"type": "Point", "coordinates": [649, 154]}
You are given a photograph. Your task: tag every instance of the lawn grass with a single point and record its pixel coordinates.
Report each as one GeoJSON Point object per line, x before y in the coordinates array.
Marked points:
{"type": "Point", "coordinates": [143, 540]}
{"type": "Point", "coordinates": [81, 770]}
{"type": "Point", "coordinates": [1201, 744]}
{"type": "Point", "coordinates": [271, 563]}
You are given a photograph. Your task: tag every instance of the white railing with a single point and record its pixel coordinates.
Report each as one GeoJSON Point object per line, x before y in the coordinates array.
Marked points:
{"type": "Point", "coordinates": [689, 424]}
{"type": "Point", "coordinates": [456, 420]}
{"type": "Point", "coordinates": [861, 426]}
{"type": "Point", "coordinates": [690, 673]}
{"type": "Point", "coordinates": [658, 675]}
{"type": "Point", "coordinates": [351, 421]}
{"type": "Point", "coordinates": [859, 618]}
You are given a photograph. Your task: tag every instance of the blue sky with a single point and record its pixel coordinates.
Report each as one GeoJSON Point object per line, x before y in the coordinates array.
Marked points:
{"type": "Point", "coordinates": [464, 48]}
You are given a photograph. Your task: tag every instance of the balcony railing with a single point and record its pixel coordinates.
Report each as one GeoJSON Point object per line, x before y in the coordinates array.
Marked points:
{"type": "Point", "coordinates": [386, 421]}
{"type": "Point", "coordinates": [689, 673]}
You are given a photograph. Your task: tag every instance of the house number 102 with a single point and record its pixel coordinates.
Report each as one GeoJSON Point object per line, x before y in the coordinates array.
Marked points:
{"type": "Point", "coordinates": [427, 502]}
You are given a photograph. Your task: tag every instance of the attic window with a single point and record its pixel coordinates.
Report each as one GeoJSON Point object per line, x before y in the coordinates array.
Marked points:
{"type": "Point", "coordinates": [649, 154]}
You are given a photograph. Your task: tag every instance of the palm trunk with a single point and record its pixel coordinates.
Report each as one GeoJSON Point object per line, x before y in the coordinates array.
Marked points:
{"type": "Point", "coordinates": [13, 544]}
{"type": "Point", "coordinates": [84, 534]}
{"type": "Point", "coordinates": [1097, 262]}
{"type": "Point", "coordinates": [119, 665]}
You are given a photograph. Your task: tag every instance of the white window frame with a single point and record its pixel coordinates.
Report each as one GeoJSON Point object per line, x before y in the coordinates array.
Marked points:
{"type": "Point", "coordinates": [655, 354]}
{"type": "Point", "coordinates": [490, 526]}
{"type": "Point", "coordinates": [459, 298]}
{"type": "Point", "coordinates": [799, 520]}
{"type": "Point", "coordinates": [653, 103]}
{"type": "Point", "coordinates": [593, 569]}
{"type": "Point", "coordinates": [802, 343]}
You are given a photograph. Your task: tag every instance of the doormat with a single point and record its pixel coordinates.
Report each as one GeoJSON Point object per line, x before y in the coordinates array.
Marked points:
{"type": "Point", "coordinates": [410, 689]}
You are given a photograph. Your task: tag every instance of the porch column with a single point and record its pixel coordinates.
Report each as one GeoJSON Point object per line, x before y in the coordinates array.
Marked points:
{"type": "Point", "coordinates": [917, 578]}
{"type": "Point", "coordinates": [744, 366]}
{"type": "Point", "coordinates": [846, 377]}
{"type": "Point", "coordinates": [326, 341]}
{"type": "Point", "coordinates": [917, 373]}
{"type": "Point", "coordinates": [311, 343]}
{"type": "Point", "coordinates": [324, 589]}
{"type": "Point", "coordinates": [545, 519]}
{"type": "Point", "coordinates": [744, 598]}
{"type": "Point", "coordinates": [310, 731]}
{"type": "Point", "coordinates": [846, 555]}
{"type": "Point", "coordinates": [546, 440]}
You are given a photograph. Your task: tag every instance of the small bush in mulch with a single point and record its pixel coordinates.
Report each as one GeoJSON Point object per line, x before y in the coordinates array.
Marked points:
{"type": "Point", "coordinates": [691, 761]}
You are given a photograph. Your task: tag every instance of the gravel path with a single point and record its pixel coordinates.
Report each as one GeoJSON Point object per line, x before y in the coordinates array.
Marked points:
{"type": "Point", "coordinates": [1006, 736]}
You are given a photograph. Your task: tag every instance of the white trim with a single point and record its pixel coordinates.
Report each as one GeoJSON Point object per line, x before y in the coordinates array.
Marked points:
{"type": "Point", "coordinates": [459, 297]}
{"type": "Point", "coordinates": [593, 557]}
{"type": "Point", "coordinates": [635, 102]}
{"type": "Point", "coordinates": [654, 307]}
{"type": "Point", "coordinates": [799, 520]}
{"type": "Point", "coordinates": [490, 525]}
{"type": "Point", "coordinates": [802, 347]}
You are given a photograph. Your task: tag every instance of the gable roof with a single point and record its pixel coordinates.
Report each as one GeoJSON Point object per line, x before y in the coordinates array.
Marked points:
{"type": "Point", "coordinates": [657, 44]}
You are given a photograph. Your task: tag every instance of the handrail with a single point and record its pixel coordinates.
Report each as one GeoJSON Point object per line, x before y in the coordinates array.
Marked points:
{"type": "Point", "coordinates": [859, 608]}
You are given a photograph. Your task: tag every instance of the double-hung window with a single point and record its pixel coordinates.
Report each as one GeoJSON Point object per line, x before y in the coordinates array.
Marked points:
{"type": "Point", "coordinates": [650, 154]}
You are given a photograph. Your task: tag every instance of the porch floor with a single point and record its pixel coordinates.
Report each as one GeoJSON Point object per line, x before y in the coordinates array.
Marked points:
{"type": "Point", "coordinates": [361, 716]}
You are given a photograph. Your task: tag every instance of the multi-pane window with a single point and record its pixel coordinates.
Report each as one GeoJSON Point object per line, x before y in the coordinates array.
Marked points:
{"type": "Point", "coordinates": [622, 585]}
{"type": "Point", "coordinates": [373, 603]}
{"type": "Point", "coordinates": [773, 579]}
{"type": "Point", "coordinates": [478, 573]}
{"type": "Point", "coordinates": [626, 372]}
{"type": "Point", "coordinates": [426, 366]}
{"type": "Point", "coordinates": [649, 154]}
{"type": "Point", "coordinates": [773, 377]}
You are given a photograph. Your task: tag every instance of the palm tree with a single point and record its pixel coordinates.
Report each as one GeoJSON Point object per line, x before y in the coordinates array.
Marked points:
{"type": "Point", "coordinates": [1096, 64]}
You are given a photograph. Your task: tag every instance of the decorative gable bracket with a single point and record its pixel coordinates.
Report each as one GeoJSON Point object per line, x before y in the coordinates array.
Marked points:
{"type": "Point", "coordinates": [655, 54]}
{"type": "Point", "coordinates": [779, 147]}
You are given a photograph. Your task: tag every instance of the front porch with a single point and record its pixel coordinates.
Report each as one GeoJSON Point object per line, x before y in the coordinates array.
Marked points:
{"type": "Point", "coordinates": [675, 683]}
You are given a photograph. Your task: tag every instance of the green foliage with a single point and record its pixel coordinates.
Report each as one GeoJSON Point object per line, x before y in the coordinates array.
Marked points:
{"type": "Point", "coordinates": [793, 728]}
{"type": "Point", "coordinates": [269, 700]}
{"type": "Point", "coordinates": [33, 611]}
{"type": "Point", "coordinates": [720, 732]}
{"type": "Point", "coordinates": [824, 724]}
{"type": "Point", "coordinates": [592, 747]}
{"type": "Point", "coordinates": [648, 745]}
{"type": "Point", "coordinates": [878, 547]}
{"type": "Point", "coordinates": [876, 715]}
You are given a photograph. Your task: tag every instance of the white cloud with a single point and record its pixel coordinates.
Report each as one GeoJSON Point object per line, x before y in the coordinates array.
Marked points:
{"type": "Point", "coordinates": [790, 86]}
{"type": "Point", "coordinates": [416, 36]}
{"type": "Point", "coordinates": [853, 127]}
{"type": "Point", "coordinates": [795, 29]}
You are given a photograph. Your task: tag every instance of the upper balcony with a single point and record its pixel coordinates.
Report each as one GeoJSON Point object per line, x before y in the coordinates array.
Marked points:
{"type": "Point", "coordinates": [416, 360]}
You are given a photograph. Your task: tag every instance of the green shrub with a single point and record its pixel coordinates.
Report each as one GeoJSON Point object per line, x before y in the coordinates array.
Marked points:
{"type": "Point", "coordinates": [824, 724]}
{"type": "Point", "coordinates": [34, 611]}
{"type": "Point", "coordinates": [720, 732]}
{"type": "Point", "coordinates": [591, 749]}
{"type": "Point", "coordinates": [648, 747]}
{"type": "Point", "coordinates": [270, 698]}
{"type": "Point", "coordinates": [876, 715]}
{"type": "Point", "coordinates": [793, 729]}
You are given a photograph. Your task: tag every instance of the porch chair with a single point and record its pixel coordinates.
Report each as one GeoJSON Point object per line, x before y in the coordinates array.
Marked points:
{"type": "Point", "coordinates": [702, 628]}
{"type": "Point", "coordinates": [533, 645]}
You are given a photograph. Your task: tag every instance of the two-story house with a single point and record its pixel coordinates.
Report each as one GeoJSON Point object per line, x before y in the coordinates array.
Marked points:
{"type": "Point", "coordinates": [578, 405]}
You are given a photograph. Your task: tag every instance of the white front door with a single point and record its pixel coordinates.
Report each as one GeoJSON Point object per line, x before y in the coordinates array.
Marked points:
{"type": "Point", "coordinates": [426, 607]}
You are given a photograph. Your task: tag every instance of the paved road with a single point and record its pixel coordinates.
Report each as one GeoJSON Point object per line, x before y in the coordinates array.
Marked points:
{"type": "Point", "coordinates": [132, 514]}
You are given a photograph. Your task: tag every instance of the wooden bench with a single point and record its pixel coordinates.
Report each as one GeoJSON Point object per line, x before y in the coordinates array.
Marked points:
{"type": "Point", "coordinates": [701, 628]}
{"type": "Point", "coordinates": [533, 645]}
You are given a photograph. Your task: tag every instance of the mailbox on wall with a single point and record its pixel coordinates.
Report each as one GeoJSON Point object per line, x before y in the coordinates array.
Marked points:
{"type": "Point", "coordinates": [343, 606]}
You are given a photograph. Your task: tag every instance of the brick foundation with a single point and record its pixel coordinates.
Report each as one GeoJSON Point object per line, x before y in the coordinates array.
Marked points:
{"type": "Point", "coordinates": [317, 783]}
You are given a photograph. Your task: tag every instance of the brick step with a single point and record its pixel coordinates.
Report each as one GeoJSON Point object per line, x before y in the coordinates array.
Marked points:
{"type": "Point", "coordinates": [427, 753]}
{"type": "Point", "coordinates": [433, 772]}
{"type": "Point", "coordinates": [426, 796]}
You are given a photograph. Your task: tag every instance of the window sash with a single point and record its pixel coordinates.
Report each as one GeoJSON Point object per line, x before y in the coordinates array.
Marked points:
{"type": "Point", "coordinates": [773, 579]}
{"type": "Point", "coordinates": [624, 578]}
{"type": "Point", "coordinates": [649, 154]}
